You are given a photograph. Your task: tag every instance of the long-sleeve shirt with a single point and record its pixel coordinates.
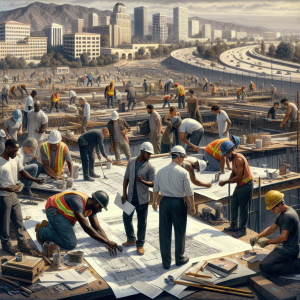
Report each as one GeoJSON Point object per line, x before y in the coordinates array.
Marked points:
{"type": "Point", "coordinates": [90, 77]}
{"type": "Point", "coordinates": [131, 93]}
{"type": "Point", "coordinates": [86, 111]}
{"type": "Point", "coordinates": [72, 94]}
{"type": "Point", "coordinates": [173, 181]}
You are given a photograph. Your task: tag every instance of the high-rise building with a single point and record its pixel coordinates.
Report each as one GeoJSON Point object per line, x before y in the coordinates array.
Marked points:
{"type": "Point", "coordinates": [193, 28]}
{"type": "Point", "coordinates": [206, 31]}
{"type": "Point", "coordinates": [159, 27]}
{"type": "Point", "coordinates": [76, 26]}
{"type": "Point", "coordinates": [119, 17]}
{"type": "Point", "coordinates": [105, 20]}
{"type": "Point", "coordinates": [141, 21]}
{"type": "Point", "coordinates": [93, 20]}
{"type": "Point", "coordinates": [85, 18]}
{"type": "Point", "coordinates": [13, 32]}
{"type": "Point", "coordinates": [54, 33]}
{"type": "Point", "coordinates": [241, 35]}
{"type": "Point", "coordinates": [180, 24]}
{"type": "Point", "coordinates": [216, 34]}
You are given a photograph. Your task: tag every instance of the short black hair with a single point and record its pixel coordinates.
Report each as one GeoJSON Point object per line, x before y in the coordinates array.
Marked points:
{"type": "Point", "coordinates": [284, 100]}
{"type": "Point", "coordinates": [150, 106]}
{"type": "Point", "coordinates": [215, 107]}
{"type": "Point", "coordinates": [191, 91]}
{"type": "Point", "coordinates": [11, 143]}
{"type": "Point", "coordinates": [33, 93]}
{"type": "Point", "coordinates": [276, 103]}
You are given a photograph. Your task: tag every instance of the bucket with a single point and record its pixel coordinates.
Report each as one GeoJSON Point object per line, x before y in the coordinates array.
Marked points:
{"type": "Point", "coordinates": [75, 256]}
{"type": "Point", "coordinates": [70, 181]}
{"type": "Point", "coordinates": [19, 256]}
{"type": "Point", "coordinates": [258, 144]}
{"type": "Point", "coordinates": [75, 172]}
{"type": "Point", "coordinates": [57, 259]}
{"type": "Point", "coordinates": [218, 207]}
{"type": "Point", "coordinates": [108, 164]}
{"type": "Point", "coordinates": [61, 184]}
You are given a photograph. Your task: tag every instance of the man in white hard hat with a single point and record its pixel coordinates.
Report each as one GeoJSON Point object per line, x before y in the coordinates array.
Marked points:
{"type": "Point", "coordinates": [174, 184]}
{"type": "Point", "coordinates": [118, 128]}
{"type": "Point", "coordinates": [139, 176]}
{"type": "Point", "coordinates": [85, 110]}
{"type": "Point", "coordinates": [54, 153]}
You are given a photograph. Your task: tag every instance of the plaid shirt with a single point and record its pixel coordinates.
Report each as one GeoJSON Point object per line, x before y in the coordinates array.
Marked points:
{"type": "Point", "coordinates": [122, 123]}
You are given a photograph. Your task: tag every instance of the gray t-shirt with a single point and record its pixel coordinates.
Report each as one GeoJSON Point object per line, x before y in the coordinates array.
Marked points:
{"type": "Point", "coordinates": [118, 137]}
{"type": "Point", "coordinates": [75, 203]}
{"type": "Point", "coordinates": [289, 220]}
{"type": "Point", "coordinates": [293, 115]}
{"type": "Point", "coordinates": [12, 128]}
{"type": "Point", "coordinates": [222, 124]}
{"type": "Point", "coordinates": [35, 121]}
{"type": "Point", "coordinates": [44, 156]}
{"type": "Point", "coordinates": [154, 116]}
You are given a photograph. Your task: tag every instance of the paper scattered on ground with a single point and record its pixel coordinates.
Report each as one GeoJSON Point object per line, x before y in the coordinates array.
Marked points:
{"type": "Point", "coordinates": [147, 289]}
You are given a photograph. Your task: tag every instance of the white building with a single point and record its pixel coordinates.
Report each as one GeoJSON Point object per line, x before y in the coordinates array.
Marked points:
{"type": "Point", "coordinates": [241, 35]}
{"type": "Point", "coordinates": [76, 26]}
{"type": "Point", "coordinates": [159, 27]}
{"type": "Point", "coordinates": [193, 28]}
{"type": "Point", "coordinates": [278, 35]}
{"type": "Point", "coordinates": [206, 31]}
{"type": "Point", "coordinates": [121, 18]}
{"type": "Point", "coordinates": [77, 43]}
{"type": "Point", "coordinates": [216, 34]}
{"type": "Point", "coordinates": [54, 33]}
{"type": "Point", "coordinates": [141, 21]}
{"type": "Point", "coordinates": [105, 20]}
{"type": "Point", "coordinates": [14, 31]}
{"type": "Point", "coordinates": [93, 20]}
{"type": "Point", "coordinates": [180, 24]}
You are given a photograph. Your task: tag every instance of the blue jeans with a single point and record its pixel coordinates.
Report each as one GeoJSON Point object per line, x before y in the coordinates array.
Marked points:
{"type": "Point", "coordinates": [24, 125]}
{"type": "Point", "coordinates": [195, 138]}
{"type": "Point", "coordinates": [176, 137]}
{"type": "Point", "coordinates": [111, 98]}
{"type": "Point", "coordinates": [181, 102]}
{"type": "Point", "coordinates": [165, 148]}
{"type": "Point", "coordinates": [212, 163]}
{"type": "Point", "coordinates": [166, 102]}
{"type": "Point", "coordinates": [142, 213]}
{"type": "Point", "coordinates": [58, 230]}
{"type": "Point", "coordinates": [98, 82]}
{"type": "Point", "coordinates": [32, 169]}
{"type": "Point", "coordinates": [90, 81]}
{"type": "Point", "coordinates": [40, 166]}
{"type": "Point", "coordinates": [238, 98]}
{"type": "Point", "coordinates": [4, 97]}
{"type": "Point", "coordinates": [205, 87]}
{"type": "Point", "coordinates": [167, 90]}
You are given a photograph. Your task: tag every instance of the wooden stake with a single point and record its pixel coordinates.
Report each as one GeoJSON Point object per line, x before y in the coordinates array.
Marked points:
{"type": "Point", "coordinates": [227, 288]}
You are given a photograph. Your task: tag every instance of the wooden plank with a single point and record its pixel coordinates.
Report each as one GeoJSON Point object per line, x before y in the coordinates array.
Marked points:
{"type": "Point", "coordinates": [270, 290]}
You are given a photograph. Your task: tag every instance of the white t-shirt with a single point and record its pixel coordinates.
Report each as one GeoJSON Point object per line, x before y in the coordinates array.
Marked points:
{"type": "Point", "coordinates": [28, 102]}
{"type": "Point", "coordinates": [189, 126]}
{"type": "Point", "coordinates": [9, 171]}
{"type": "Point", "coordinates": [222, 124]}
{"type": "Point", "coordinates": [72, 94]}
{"type": "Point", "coordinates": [35, 121]}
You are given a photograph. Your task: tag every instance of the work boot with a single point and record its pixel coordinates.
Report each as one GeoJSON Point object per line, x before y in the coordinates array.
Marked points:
{"type": "Point", "coordinates": [24, 246]}
{"type": "Point", "coordinates": [231, 228]}
{"type": "Point", "coordinates": [89, 179]}
{"type": "Point", "coordinates": [29, 193]}
{"type": "Point", "coordinates": [239, 233]}
{"type": "Point", "coordinates": [129, 243]}
{"type": "Point", "coordinates": [95, 176]}
{"type": "Point", "coordinates": [44, 223]}
{"type": "Point", "coordinates": [8, 247]}
{"type": "Point", "coordinates": [37, 228]}
{"type": "Point", "coordinates": [140, 250]}
{"type": "Point", "coordinates": [183, 262]}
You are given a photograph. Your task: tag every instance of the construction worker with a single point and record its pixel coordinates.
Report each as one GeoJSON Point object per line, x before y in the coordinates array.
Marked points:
{"type": "Point", "coordinates": [109, 94]}
{"type": "Point", "coordinates": [15, 78]}
{"type": "Point", "coordinates": [41, 83]}
{"type": "Point", "coordinates": [174, 184]}
{"type": "Point", "coordinates": [155, 125]}
{"type": "Point", "coordinates": [213, 90]}
{"type": "Point", "coordinates": [131, 96]}
{"type": "Point", "coordinates": [272, 111]}
{"type": "Point", "coordinates": [54, 100]}
{"type": "Point", "coordinates": [242, 195]}
{"type": "Point", "coordinates": [21, 88]}
{"type": "Point", "coordinates": [213, 156]}
{"type": "Point", "coordinates": [139, 176]}
{"type": "Point", "coordinates": [63, 210]}
{"type": "Point", "coordinates": [196, 81]}
{"type": "Point", "coordinates": [273, 90]}
{"type": "Point", "coordinates": [13, 125]}
{"type": "Point", "coordinates": [205, 84]}
{"type": "Point", "coordinates": [5, 79]}
{"type": "Point", "coordinates": [167, 99]}
{"type": "Point", "coordinates": [180, 93]}
{"type": "Point", "coordinates": [152, 89]}
{"type": "Point", "coordinates": [167, 139]}
{"type": "Point", "coordinates": [64, 78]}
{"type": "Point", "coordinates": [98, 81]}
{"type": "Point", "coordinates": [90, 79]}
{"type": "Point", "coordinates": [251, 86]}
{"type": "Point", "coordinates": [5, 93]}
{"type": "Point", "coordinates": [167, 86]}
{"type": "Point", "coordinates": [223, 121]}
{"type": "Point", "coordinates": [12, 90]}
{"type": "Point", "coordinates": [239, 92]}
{"type": "Point", "coordinates": [145, 86]}
{"type": "Point", "coordinates": [85, 112]}
{"type": "Point", "coordinates": [291, 113]}
{"type": "Point", "coordinates": [72, 97]}
{"type": "Point", "coordinates": [284, 258]}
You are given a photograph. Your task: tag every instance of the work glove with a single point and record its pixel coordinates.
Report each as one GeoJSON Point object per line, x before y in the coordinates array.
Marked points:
{"type": "Point", "coordinates": [263, 242]}
{"type": "Point", "coordinates": [253, 240]}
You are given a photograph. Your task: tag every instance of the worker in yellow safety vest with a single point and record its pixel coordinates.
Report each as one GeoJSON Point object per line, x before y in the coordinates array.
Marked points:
{"type": "Point", "coordinates": [12, 91]}
{"type": "Point", "coordinates": [214, 89]}
{"type": "Point", "coordinates": [109, 94]}
{"type": "Point", "coordinates": [180, 93]}
{"type": "Point", "coordinates": [54, 100]}
{"type": "Point", "coordinates": [240, 92]}
{"type": "Point", "coordinates": [251, 86]}
{"type": "Point", "coordinates": [41, 83]}
{"type": "Point", "coordinates": [63, 210]}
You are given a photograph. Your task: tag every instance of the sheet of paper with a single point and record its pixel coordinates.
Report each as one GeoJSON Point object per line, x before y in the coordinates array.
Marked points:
{"type": "Point", "coordinates": [147, 289]}
{"type": "Point", "coordinates": [127, 207]}
{"type": "Point", "coordinates": [52, 277]}
{"type": "Point", "coordinates": [291, 277]}
{"type": "Point", "coordinates": [71, 275]}
{"type": "Point", "coordinates": [174, 275]}
{"type": "Point", "coordinates": [85, 275]}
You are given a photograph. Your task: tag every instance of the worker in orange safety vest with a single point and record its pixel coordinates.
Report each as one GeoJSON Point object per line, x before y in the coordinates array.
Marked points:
{"type": "Point", "coordinates": [54, 100]}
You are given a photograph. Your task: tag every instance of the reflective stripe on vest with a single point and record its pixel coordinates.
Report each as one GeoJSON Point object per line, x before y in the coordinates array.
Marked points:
{"type": "Point", "coordinates": [58, 201]}
{"type": "Point", "coordinates": [247, 176]}
{"type": "Point", "coordinates": [60, 156]}
{"type": "Point", "coordinates": [213, 149]}
{"type": "Point", "coordinates": [110, 90]}
{"type": "Point", "coordinates": [55, 98]}
{"type": "Point", "coordinates": [181, 90]}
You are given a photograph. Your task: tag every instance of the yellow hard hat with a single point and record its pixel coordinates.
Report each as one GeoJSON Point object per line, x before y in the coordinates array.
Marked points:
{"type": "Point", "coordinates": [92, 74]}
{"type": "Point", "coordinates": [112, 82]}
{"type": "Point", "coordinates": [272, 198]}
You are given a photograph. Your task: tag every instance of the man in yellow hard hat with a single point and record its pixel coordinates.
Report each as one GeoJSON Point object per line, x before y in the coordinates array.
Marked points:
{"type": "Point", "coordinates": [283, 259]}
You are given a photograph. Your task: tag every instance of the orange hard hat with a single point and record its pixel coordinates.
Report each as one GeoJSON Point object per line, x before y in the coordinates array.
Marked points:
{"type": "Point", "coordinates": [176, 84]}
{"type": "Point", "coordinates": [243, 87]}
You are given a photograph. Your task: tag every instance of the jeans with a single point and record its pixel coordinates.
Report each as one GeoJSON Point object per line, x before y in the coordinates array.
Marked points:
{"type": "Point", "coordinates": [238, 98]}
{"type": "Point", "coordinates": [212, 163]}
{"type": "Point", "coordinates": [195, 138]}
{"type": "Point", "coordinates": [58, 230]}
{"type": "Point", "coordinates": [98, 82]}
{"type": "Point", "coordinates": [166, 102]}
{"type": "Point", "coordinates": [24, 125]}
{"type": "Point", "coordinates": [142, 213]}
{"type": "Point", "coordinates": [40, 166]}
{"type": "Point", "coordinates": [176, 137]}
{"type": "Point", "coordinates": [32, 169]}
{"type": "Point", "coordinates": [155, 141]}
{"type": "Point", "coordinates": [72, 100]}
{"type": "Point", "coordinates": [165, 148]}
{"type": "Point", "coordinates": [83, 125]}
{"type": "Point", "coordinates": [167, 90]}
{"type": "Point", "coordinates": [111, 98]}
{"type": "Point", "coordinates": [89, 81]}
{"type": "Point", "coordinates": [205, 87]}
{"type": "Point", "coordinates": [181, 102]}
{"type": "Point", "coordinates": [87, 160]}
{"type": "Point", "coordinates": [130, 101]}
{"type": "Point", "coordinates": [54, 104]}
{"type": "Point", "coordinates": [10, 209]}
{"type": "Point", "coordinates": [4, 97]}
{"type": "Point", "coordinates": [172, 211]}
{"type": "Point", "coordinates": [125, 147]}
{"type": "Point", "coordinates": [241, 198]}
{"type": "Point", "coordinates": [279, 262]}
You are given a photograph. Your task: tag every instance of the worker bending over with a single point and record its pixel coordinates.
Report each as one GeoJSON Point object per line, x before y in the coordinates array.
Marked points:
{"type": "Point", "coordinates": [291, 114]}
{"type": "Point", "coordinates": [72, 97]}
{"type": "Point", "coordinates": [12, 90]}
{"type": "Point", "coordinates": [64, 210]}
{"type": "Point", "coordinates": [21, 88]}
{"type": "Point", "coordinates": [284, 258]}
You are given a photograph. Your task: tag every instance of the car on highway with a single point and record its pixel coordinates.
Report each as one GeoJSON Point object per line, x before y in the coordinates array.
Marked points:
{"type": "Point", "coordinates": [278, 72]}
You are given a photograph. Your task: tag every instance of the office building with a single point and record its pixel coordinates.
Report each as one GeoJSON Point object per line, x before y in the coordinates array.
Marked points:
{"type": "Point", "coordinates": [180, 24]}
{"type": "Point", "coordinates": [76, 26]}
{"type": "Point", "coordinates": [141, 21]}
{"type": "Point", "coordinates": [159, 27]}
{"type": "Point", "coordinates": [193, 28]}
{"type": "Point", "coordinates": [14, 31]}
{"type": "Point", "coordinates": [278, 35]}
{"type": "Point", "coordinates": [121, 18]}
{"type": "Point", "coordinates": [77, 43]}
{"type": "Point", "coordinates": [105, 20]}
{"type": "Point", "coordinates": [216, 34]}
{"type": "Point", "coordinates": [206, 31]}
{"type": "Point", "coordinates": [269, 35]}
{"type": "Point", "coordinates": [241, 35]}
{"type": "Point", "coordinates": [93, 20]}
{"type": "Point", "coordinates": [54, 33]}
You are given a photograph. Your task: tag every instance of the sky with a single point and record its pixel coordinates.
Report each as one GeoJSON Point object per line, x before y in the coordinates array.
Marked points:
{"type": "Point", "coordinates": [248, 12]}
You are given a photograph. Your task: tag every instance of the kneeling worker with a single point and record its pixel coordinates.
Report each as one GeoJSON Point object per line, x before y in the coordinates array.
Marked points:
{"type": "Point", "coordinates": [64, 210]}
{"type": "Point", "coordinates": [283, 259]}
{"type": "Point", "coordinates": [140, 175]}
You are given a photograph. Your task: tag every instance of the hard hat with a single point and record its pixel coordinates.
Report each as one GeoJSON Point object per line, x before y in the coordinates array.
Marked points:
{"type": "Point", "coordinates": [175, 121]}
{"type": "Point", "coordinates": [271, 84]}
{"type": "Point", "coordinates": [178, 150]}
{"type": "Point", "coordinates": [202, 165]}
{"type": "Point", "coordinates": [2, 133]}
{"type": "Point", "coordinates": [92, 74]}
{"type": "Point", "coordinates": [17, 115]}
{"type": "Point", "coordinates": [147, 147]}
{"type": "Point", "coordinates": [176, 84]}
{"type": "Point", "coordinates": [226, 146]}
{"type": "Point", "coordinates": [250, 81]}
{"type": "Point", "coordinates": [272, 198]}
{"type": "Point", "coordinates": [102, 198]}
{"type": "Point", "coordinates": [114, 115]}
{"type": "Point", "coordinates": [112, 82]}
{"type": "Point", "coordinates": [171, 80]}
{"type": "Point", "coordinates": [54, 137]}
{"type": "Point", "coordinates": [243, 87]}
{"type": "Point", "coordinates": [82, 98]}
{"type": "Point", "coordinates": [237, 141]}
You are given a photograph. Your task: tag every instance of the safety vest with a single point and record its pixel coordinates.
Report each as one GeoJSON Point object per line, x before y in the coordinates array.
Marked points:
{"type": "Point", "coordinates": [252, 85]}
{"type": "Point", "coordinates": [151, 88]}
{"type": "Point", "coordinates": [213, 149]}
{"type": "Point", "coordinates": [58, 201]}
{"type": "Point", "coordinates": [110, 90]}
{"type": "Point", "coordinates": [247, 176]}
{"type": "Point", "coordinates": [23, 85]}
{"type": "Point", "coordinates": [214, 90]}
{"type": "Point", "coordinates": [239, 92]}
{"type": "Point", "coordinates": [13, 88]}
{"type": "Point", "coordinates": [55, 97]}
{"type": "Point", "coordinates": [60, 156]}
{"type": "Point", "coordinates": [41, 82]}
{"type": "Point", "coordinates": [181, 90]}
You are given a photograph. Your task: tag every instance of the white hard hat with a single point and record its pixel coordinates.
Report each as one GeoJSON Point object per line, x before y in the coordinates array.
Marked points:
{"type": "Point", "coordinates": [2, 133]}
{"type": "Point", "coordinates": [202, 165]}
{"type": "Point", "coordinates": [147, 147]}
{"type": "Point", "coordinates": [54, 137]}
{"type": "Point", "coordinates": [178, 150]}
{"type": "Point", "coordinates": [114, 115]}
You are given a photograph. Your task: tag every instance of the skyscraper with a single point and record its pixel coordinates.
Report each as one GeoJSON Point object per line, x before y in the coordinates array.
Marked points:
{"type": "Point", "coordinates": [119, 17]}
{"type": "Point", "coordinates": [193, 28]}
{"type": "Point", "coordinates": [54, 33]}
{"type": "Point", "coordinates": [159, 27]}
{"type": "Point", "coordinates": [76, 26]}
{"type": "Point", "coordinates": [93, 20]}
{"type": "Point", "coordinates": [206, 31]}
{"type": "Point", "coordinates": [141, 21]}
{"type": "Point", "coordinates": [105, 20]}
{"type": "Point", "coordinates": [180, 24]}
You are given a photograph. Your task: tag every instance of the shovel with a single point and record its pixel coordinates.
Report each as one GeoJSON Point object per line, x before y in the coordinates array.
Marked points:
{"type": "Point", "coordinates": [102, 170]}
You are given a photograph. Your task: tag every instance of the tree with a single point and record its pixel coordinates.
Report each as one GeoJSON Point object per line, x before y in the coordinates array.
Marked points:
{"type": "Point", "coordinates": [201, 50]}
{"type": "Point", "coordinates": [210, 54]}
{"type": "Point", "coordinates": [142, 51]}
{"type": "Point", "coordinates": [285, 50]}
{"type": "Point", "coordinates": [93, 63]}
{"type": "Point", "coordinates": [149, 37]}
{"type": "Point", "coordinates": [22, 63]}
{"type": "Point", "coordinates": [166, 50]}
{"type": "Point", "coordinates": [104, 40]}
{"type": "Point", "coordinates": [84, 57]}
{"type": "Point", "coordinates": [272, 49]}
{"type": "Point", "coordinates": [262, 47]}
